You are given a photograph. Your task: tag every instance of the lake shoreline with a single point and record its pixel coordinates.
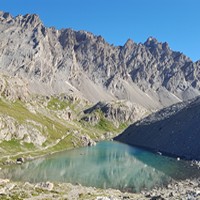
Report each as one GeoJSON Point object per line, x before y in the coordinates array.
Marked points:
{"type": "Point", "coordinates": [56, 190]}
{"type": "Point", "coordinates": [187, 189]}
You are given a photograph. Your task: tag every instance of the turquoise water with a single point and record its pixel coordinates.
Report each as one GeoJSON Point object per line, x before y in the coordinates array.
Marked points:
{"type": "Point", "coordinates": [106, 165]}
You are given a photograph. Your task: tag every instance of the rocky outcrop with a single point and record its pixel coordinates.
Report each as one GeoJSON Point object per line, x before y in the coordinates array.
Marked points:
{"type": "Point", "coordinates": [10, 129]}
{"type": "Point", "coordinates": [20, 160]}
{"type": "Point", "coordinates": [118, 112]}
{"type": "Point", "coordinates": [45, 186]}
{"type": "Point", "coordinates": [83, 139]}
{"type": "Point", "coordinates": [13, 88]}
{"type": "Point", "coordinates": [65, 114]}
{"type": "Point", "coordinates": [58, 61]}
{"type": "Point", "coordinates": [172, 131]}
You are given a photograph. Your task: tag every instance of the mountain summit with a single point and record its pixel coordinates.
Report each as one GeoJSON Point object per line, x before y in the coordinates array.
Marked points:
{"type": "Point", "coordinates": [61, 61]}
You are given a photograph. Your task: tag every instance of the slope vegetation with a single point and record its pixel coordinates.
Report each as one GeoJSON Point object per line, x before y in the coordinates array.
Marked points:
{"type": "Point", "coordinates": [33, 125]}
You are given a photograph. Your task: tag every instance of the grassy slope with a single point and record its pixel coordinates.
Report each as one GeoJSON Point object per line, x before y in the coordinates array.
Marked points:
{"type": "Point", "coordinates": [58, 131]}
{"type": "Point", "coordinates": [54, 130]}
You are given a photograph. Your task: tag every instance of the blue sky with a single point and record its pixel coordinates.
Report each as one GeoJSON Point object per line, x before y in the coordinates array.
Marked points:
{"type": "Point", "coordinates": [174, 21]}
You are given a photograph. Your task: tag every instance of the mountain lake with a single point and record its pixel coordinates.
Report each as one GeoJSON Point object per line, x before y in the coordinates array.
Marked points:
{"type": "Point", "coordinates": [109, 164]}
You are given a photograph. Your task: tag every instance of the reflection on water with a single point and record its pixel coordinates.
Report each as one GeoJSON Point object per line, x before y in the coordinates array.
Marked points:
{"type": "Point", "coordinates": [107, 165]}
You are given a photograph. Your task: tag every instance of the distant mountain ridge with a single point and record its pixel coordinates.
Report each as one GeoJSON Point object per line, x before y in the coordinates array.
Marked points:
{"type": "Point", "coordinates": [62, 61]}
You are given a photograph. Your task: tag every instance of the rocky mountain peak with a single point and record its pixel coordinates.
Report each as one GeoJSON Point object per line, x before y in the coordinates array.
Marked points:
{"type": "Point", "coordinates": [152, 44]}
{"type": "Point", "coordinates": [5, 17]}
{"type": "Point", "coordinates": [198, 62]}
{"type": "Point", "coordinates": [129, 43]}
{"type": "Point", "coordinates": [151, 41]}
{"type": "Point", "coordinates": [32, 20]}
{"type": "Point", "coordinates": [165, 46]}
{"type": "Point", "coordinates": [63, 60]}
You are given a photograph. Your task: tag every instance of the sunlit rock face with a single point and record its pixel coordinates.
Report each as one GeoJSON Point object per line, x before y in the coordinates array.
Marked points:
{"type": "Point", "coordinates": [118, 112]}
{"type": "Point", "coordinates": [58, 61]}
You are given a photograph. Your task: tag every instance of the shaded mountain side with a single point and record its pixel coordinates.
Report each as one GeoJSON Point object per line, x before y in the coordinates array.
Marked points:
{"type": "Point", "coordinates": [174, 131]}
{"type": "Point", "coordinates": [58, 61]}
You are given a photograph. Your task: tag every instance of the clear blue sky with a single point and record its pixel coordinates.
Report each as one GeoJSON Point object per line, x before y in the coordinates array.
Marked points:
{"type": "Point", "coordinates": [174, 21]}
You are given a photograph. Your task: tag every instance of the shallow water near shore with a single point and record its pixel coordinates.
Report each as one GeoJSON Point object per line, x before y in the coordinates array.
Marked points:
{"type": "Point", "coordinates": [106, 165]}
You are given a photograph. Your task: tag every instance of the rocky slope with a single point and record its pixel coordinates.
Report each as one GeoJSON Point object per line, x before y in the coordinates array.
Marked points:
{"type": "Point", "coordinates": [58, 61]}
{"type": "Point", "coordinates": [174, 131]}
{"type": "Point", "coordinates": [117, 112]}
{"type": "Point", "coordinates": [33, 125]}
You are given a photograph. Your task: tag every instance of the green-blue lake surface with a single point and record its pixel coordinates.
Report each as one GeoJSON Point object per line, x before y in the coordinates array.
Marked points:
{"type": "Point", "coordinates": [106, 165]}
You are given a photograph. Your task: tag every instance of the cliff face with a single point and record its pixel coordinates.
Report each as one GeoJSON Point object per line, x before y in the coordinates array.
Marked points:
{"type": "Point", "coordinates": [118, 112]}
{"type": "Point", "coordinates": [174, 131]}
{"type": "Point", "coordinates": [58, 61]}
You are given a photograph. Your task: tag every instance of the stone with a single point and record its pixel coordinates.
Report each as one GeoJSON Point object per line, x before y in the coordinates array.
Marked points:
{"type": "Point", "coordinates": [10, 186]}
{"type": "Point", "coordinates": [45, 185]}
{"type": "Point", "coordinates": [3, 191]}
{"type": "Point", "coordinates": [91, 143]}
{"type": "Point", "coordinates": [20, 160]}
{"type": "Point", "coordinates": [4, 181]}
{"type": "Point", "coordinates": [103, 198]}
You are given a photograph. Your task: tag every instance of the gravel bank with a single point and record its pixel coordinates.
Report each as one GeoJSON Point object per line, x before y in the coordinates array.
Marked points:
{"type": "Point", "coordinates": [185, 190]}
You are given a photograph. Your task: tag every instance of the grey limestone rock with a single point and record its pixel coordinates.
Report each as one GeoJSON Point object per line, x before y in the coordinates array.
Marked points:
{"type": "Point", "coordinates": [116, 111]}
{"type": "Point", "coordinates": [57, 61]}
{"type": "Point", "coordinates": [12, 129]}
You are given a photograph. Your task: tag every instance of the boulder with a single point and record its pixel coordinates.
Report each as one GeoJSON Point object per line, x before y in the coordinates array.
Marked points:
{"type": "Point", "coordinates": [20, 160]}
{"type": "Point", "coordinates": [45, 185]}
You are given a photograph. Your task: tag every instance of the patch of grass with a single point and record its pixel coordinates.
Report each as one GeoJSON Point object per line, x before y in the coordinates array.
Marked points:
{"type": "Point", "coordinates": [105, 125]}
{"type": "Point", "coordinates": [61, 103]}
{"type": "Point", "coordinates": [56, 104]}
{"type": "Point", "coordinates": [11, 146]}
{"type": "Point", "coordinates": [15, 197]}
{"type": "Point", "coordinates": [21, 114]}
{"type": "Point", "coordinates": [66, 143]}
{"type": "Point", "coordinates": [51, 128]}
{"type": "Point", "coordinates": [29, 146]}
{"type": "Point", "coordinates": [123, 126]}
{"type": "Point", "coordinates": [13, 149]}
{"type": "Point", "coordinates": [40, 190]}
